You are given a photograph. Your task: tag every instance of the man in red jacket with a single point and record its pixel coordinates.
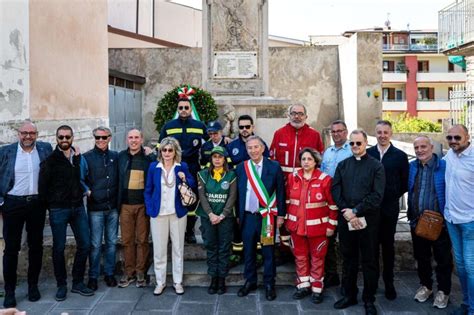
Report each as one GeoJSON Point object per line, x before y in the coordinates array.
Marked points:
{"type": "Point", "coordinates": [287, 143]}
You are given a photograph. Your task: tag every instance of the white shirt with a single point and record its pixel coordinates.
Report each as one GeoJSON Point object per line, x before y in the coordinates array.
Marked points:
{"type": "Point", "coordinates": [250, 190]}
{"type": "Point", "coordinates": [167, 205]}
{"type": "Point", "coordinates": [27, 166]}
{"type": "Point", "coordinates": [459, 186]}
{"type": "Point", "coordinates": [382, 151]}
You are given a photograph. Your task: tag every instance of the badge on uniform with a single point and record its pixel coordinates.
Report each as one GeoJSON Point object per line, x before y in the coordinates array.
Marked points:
{"type": "Point", "coordinates": [225, 185]}
{"type": "Point", "coordinates": [195, 142]}
{"type": "Point", "coordinates": [235, 151]}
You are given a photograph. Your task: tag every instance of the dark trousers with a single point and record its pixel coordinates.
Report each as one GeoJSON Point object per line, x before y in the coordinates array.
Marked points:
{"type": "Point", "coordinates": [194, 168]}
{"type": "Point", "coordinates": [217, 240]}
{"type": "Point", "coordinates": [76, 217]}
{"type": "Point", "coordinates": [351, 243]}
{"type": "Point", "coordinates": [17, 213]}
{"type": "Point", "coordinates": [386, 241]}
{"type": "Point", "coordinates": [330, 262]}
{"type": "Point", "coordinates": [441, 249]}
{"type": "Point", "coordinates": [237, 245]}
{"type": "Point", "coordinates": [251, 229]}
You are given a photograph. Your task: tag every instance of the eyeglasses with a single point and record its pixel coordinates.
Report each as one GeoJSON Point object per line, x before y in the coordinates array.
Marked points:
{"type": "Point", "coordinates": [101, 137]}
{"type": "Point", "coordinates": [183, 107]}
{"type": "Point", "coordinates": [338, 131]}
{"type": "Point", "coordinates": [28, 133]}
{"type": "Point", "coordinates": [242, 127]}
{"type": "Point", "coordinates": [170, 150]}
{"type": "Point", "coordinates": [61, 137]}
{"type": "Point", "coordinates": [450, 138]}
{"type": "Point", "coordinates": [212, 133]}
{"type": "Point", "coordinates": [294, 114]}
{"type": "Point", "coordinates": [357, 143]}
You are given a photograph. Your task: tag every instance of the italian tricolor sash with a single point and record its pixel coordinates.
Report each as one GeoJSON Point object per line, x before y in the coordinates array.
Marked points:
{"type": "Point", "coordinates": [267, 208]}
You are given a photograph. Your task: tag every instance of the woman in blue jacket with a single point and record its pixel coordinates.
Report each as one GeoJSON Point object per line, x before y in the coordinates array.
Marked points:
{"type": "Point", "coordinates": [167, 214]}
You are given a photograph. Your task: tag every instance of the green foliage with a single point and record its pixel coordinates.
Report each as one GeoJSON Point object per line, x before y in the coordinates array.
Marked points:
{"type": "Point", "coordinates": [405, 123]}
{"type": "Point", "coordinates": [205, 106]}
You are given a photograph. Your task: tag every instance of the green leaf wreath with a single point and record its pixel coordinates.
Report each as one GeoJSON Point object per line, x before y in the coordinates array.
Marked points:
{"type": "Point", "coordinates": [202, 100]}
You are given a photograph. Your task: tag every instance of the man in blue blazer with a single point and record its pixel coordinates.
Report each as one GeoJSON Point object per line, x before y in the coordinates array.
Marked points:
{"type": "Point", "coordinates": [20, 205]}
{"type": "Point", "coordinates": [258, 179]}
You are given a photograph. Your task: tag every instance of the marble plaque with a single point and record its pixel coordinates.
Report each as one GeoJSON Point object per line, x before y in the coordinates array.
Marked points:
{"type": "Point", "coordinates": [235, 65]}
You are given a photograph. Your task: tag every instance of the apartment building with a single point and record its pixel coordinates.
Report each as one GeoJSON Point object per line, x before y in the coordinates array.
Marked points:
{"type": "Point", "coordinates": [416, 78]}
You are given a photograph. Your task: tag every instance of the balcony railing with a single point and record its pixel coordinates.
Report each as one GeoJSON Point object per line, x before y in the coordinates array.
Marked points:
{"type": "Point", "coordinates": [441, 77]}
{"type": "Point", "coordinates": [456, 25]}
{"type": "Point", "coordinates": [462, 107]}
{"type": "Point", "coordinates": [388, 76]}
{"type": "Point", "coordinates": [394, 105]}
{"type": "Point", "coordinates": [406, 47]}
{"type": "Point", "coordinates": [424, 47]}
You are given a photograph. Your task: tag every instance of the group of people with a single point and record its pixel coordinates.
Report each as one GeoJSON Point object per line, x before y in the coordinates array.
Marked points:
{"type": "Point", "coordinates": [249, 197]}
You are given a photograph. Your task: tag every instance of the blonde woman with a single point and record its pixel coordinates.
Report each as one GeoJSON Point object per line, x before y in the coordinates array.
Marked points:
{"type": "Point", "coordinates": [167, 214]}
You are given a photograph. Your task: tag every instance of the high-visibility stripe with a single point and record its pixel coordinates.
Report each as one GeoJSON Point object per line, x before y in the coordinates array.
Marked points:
{"type": "Point", "coordinates": [284, 237]}
{"type": "Point", "coordinates": [333, 207]}
{"type": "Point", "coordinates": [322, 176]}
{"type": "Point", "coordinates": [303, 279]}
{"type": "Point", "coordinates": [333, 222]}
{"type": "Point", "coordinates": [174, 131]}
{"type": "Point", "coordinates": [194, 130]}
{"type": "Point", "coordinates": [295, 202]}
{"type": "Point", "coordinates": [192, 213]}
{"type": "Point", "coordinates": [303, 285]}
{"type": "Point", "coordinates": [316, 205]}
{"type": "Point", "coordinates": [289, 169]}
{"type": "Point", "coordinates": [317, 221]}
{"type": "Point", "coordinates": [292, 217]}
{"type": "Point", "coordinates": [316, 290]}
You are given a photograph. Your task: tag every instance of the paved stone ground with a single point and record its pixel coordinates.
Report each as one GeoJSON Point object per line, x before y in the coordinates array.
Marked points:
{"type": "Point", "coordinates": [134, 300]}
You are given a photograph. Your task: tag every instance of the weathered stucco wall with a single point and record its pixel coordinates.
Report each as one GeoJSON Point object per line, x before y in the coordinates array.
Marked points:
{"type": "Point", "coordinates": [68, 59]}
{"type": "Point", "coordinates": [369, 73]}
{"type": "Point", "coordinates": [307, 75]}
{"type": "Point", "coordinates": [163, 69]}
{"type": "Point", "coordinates": [14, 64]}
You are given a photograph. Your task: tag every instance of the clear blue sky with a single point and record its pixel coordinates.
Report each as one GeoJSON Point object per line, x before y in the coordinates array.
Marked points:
{"type": "Point", "coordinates": [301, 18]}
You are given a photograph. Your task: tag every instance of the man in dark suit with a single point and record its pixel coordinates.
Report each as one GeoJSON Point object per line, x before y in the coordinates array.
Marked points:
{"type": "Point", "coordinates": [20, 206]}
{"type": "Point", "coordinates": [261, 202]}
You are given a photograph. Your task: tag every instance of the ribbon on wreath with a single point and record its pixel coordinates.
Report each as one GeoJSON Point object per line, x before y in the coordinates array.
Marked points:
{"type": "Point", "coordinates": [187, 92]}
{"type": "Point", "coordinates": [268, 209]}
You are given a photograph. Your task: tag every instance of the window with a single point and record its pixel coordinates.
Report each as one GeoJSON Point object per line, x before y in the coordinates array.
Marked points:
{"type": "Point", "coordinates": [388, 94]}
{"type": "Point", "coordinates": [399, 95]}
{"type": "Point", "coordinates": [426, 94]}
{"type": "Point", "coordinates": [423, 66]}
{"type": "Point", "coordinates": [450, 89]}
{"type": "Point", "coordinates": [388, 65]}
{"type": "Point", "coordinates": [450, 67]}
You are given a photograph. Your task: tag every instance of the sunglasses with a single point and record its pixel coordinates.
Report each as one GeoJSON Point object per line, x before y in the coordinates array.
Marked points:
{"type": "Point", "coordinates": [101, 137]}
{"type": "Point", "coordinates": [61, 137]}
{"type": "Point", "coordinates": [357, 143]}
{"type": "Point", "coordinates": [183, 107]}
{"type": "Point", "coordinates": [457, 138]}
{"type": "Point", "coordinates": [167, 150]}
{"type": "Point", "coordinates": [242, 127]}
{"type": "Point", "coordinates": [28, 133]}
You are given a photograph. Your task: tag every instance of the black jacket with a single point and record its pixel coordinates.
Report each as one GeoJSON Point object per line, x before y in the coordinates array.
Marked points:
{"type": "Point", "coordinates": [101, 178]}
{"type": "Point", "coordinates": [395, 163]}
{"type": "Point", "coordinates": [59, 183]}
{"type": "Point", "coordinates": [359, 184]}
{"type": "Point", "coordinates": [124, 158]}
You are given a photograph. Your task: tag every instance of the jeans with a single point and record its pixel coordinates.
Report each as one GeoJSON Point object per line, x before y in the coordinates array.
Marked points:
{"type": "Point", "coordinates": [462, 239]}
{"type": "Point", "coordinates": [77, 219]}
{"type": "Point", "coordinates": [16, 214]}
{"type": "Point", "coordinates": [103, 223]}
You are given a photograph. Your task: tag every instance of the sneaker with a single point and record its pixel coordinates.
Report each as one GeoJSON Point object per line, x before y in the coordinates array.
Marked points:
{"type": "Point", "coordinates": [178, 288]}
{"type": "Point", "coordinates": [82, 289]}
{"type": "Point", "coordinates": [61, 293]}
{"type": "Point", "coordinates": [125, 281]}
{"type": "Point", "coordinates": [141, 281]}
{"type": "Point", "coordinates": [423, 294]}
{"type": "Point", "coordinates": [441, 300]}
{"type": "Point", "coordinates": [159, 289]}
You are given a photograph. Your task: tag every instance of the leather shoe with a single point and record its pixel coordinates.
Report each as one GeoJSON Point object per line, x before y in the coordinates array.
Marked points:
{"type": "Point", "coordinates": [221, 288]}
{"type": "Point", "coordinates": [190, 238]}
{"type": "Point", "coordinates": [213, 286]}
{"type": "Point", "coordinates": [92, 284]}
{"type": "Point", "coordinates": [301, 293]}
{"type": "Point", "coordinates": [33, 293]}
{"type": "Point", "coordinates": [331, 281]}
{"type": "Point", "coordinates": [390, 292]}
{"type": "Point", "coordinates": [270, 293]}
{"type": "Point", "coordinates": [61, 293]}
{"type": "Point", "coordinates": [345, 302]}
{"type": "Point", "coordinates": [370, 308]}
{"type": "Point", "coordinates": [247, 287]}
{"type": "Point", "coordinates": [110, 281]}
{"type": "Point", "coordinates": [317, 298]}
{"type": "Point", "coordinates": [10, 300]}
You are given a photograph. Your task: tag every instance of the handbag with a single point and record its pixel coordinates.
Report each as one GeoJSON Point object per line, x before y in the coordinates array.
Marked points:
{"type": "Point", "coordinates": [429, 225]}
{"type": "Point", "coordinates": [188, 197]}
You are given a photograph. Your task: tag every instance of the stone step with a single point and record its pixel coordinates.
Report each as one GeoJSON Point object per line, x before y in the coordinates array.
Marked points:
{"type": "Point", "coordinates": [195, 274]}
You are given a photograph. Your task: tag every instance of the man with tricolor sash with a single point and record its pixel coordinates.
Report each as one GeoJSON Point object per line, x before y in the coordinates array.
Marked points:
{"type": "Point", "coordinates": [261, 209]}
{"type": "Point", "coordinates": [190, 133]}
